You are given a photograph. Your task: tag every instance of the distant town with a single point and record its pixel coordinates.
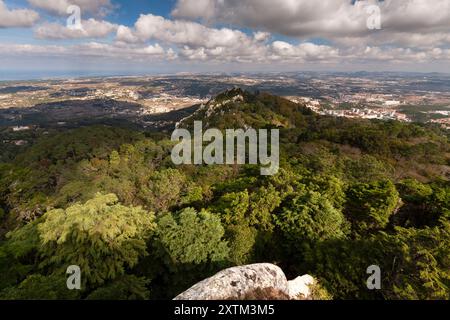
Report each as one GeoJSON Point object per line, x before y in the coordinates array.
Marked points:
{"type": "Point", "coordinates": [421, 98]}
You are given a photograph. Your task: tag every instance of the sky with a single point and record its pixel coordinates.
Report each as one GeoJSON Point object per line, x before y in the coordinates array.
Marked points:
{"type": "Point", "coordinates": [48, 38]}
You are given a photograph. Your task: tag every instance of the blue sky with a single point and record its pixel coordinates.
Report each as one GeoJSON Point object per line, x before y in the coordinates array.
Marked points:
{"type": "Point", "coordinates": [127, 13]}
{"type": "Point", "coordinates": [151, 36]}
{"type": "Point", "coordinates": [130, 10]}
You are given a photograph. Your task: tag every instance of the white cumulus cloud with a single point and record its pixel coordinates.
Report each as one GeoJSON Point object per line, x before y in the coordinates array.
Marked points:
{"type": "Point", "coordinates": [91, 28]}
{"type": "Point", "coordinates": [16, 18]}
{"type": "Point", "coordinates": [338, 20]}
{"type": "Point", "coordinates": [59, 7]}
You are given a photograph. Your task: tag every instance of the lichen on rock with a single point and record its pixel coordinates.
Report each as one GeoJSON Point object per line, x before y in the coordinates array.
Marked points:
{"type": "Point", "coordinates": [252, 282]}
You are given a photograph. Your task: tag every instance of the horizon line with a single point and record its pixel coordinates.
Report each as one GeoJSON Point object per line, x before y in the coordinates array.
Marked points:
{"type": "Point", "coordinates": [212, 73]}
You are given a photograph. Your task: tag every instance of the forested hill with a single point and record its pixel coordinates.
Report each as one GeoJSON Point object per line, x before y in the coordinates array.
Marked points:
{"type": "Point", "coordinates": [236, 108]}
{"type": "Point", "coordinates": [349, 194]}
{"type": "Point", "coordinates": [414, 150]}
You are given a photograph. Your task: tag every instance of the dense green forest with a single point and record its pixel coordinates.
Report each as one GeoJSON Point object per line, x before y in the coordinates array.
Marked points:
{"type": "Point", "coordinates": [349, 194]}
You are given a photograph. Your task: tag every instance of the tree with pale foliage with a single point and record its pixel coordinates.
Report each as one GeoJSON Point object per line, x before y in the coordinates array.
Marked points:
{"type": "Point", "coordinates": [101, 236]}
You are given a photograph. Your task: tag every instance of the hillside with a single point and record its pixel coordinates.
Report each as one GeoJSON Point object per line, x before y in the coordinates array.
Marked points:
{"type": "Point", "coordinates": [349, 194]}
{"type": "Point", "coordinates": [414, 150]}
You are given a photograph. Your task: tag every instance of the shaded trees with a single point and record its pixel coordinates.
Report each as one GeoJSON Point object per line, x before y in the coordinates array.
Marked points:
{"type": "Point", "coordinates": [187, 246]}
{"type": "Point", "coordinates": [370, 205]}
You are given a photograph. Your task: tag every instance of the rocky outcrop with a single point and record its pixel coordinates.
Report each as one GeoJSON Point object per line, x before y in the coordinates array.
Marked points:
{"type": "Point", "coordinates": [300, 288]}
{"type": "Point", "coordinates": [213, 107]}
{"type": "Point", "coordinates": [253, 282]}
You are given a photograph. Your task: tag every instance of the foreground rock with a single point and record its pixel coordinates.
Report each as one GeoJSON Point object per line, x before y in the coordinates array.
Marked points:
{"type": "Point", "coordinates": [300, 288]}
{"type": "Point", "coordinates": [253, 282]}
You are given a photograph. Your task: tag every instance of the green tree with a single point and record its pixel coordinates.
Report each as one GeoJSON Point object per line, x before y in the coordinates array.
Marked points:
{"type": "Point", "coordinates": [18, 254]}
{"type": "Point", "coordinates": [415, 264]}
{"type": "Point", "coordinates": [188, 247]}
{"type": "Point", "coordinates": [424, 204]}
{"type": "Point", "coordinates": [370, 205]}
{"type": "Point", "coordinates": [420, 262]}
{"type": "Point", "coordinates": [39, 287]}
{"type": "Point", "coordinates": [262, 203]}
{"type": "Point", "coordinates": [242, 239]}
{"type": "Point", "coordinates": [191, 237]}
{"type": "Point", "coordinates": [127, 287]}
{"type": "Point", "coordinates": [165, 189]}
{"type": "Point", "coordinates": [330, 187]}
{"type": "Point", "coordinates": [233, 207]}
{"type": "Point", "coordinates": [311, 217]}
{"type": "Point", "coordinates": [101, 236]}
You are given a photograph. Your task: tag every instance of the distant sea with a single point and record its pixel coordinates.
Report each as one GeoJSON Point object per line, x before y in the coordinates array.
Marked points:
{"type": "Point", "coordinates": [9, 75]}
